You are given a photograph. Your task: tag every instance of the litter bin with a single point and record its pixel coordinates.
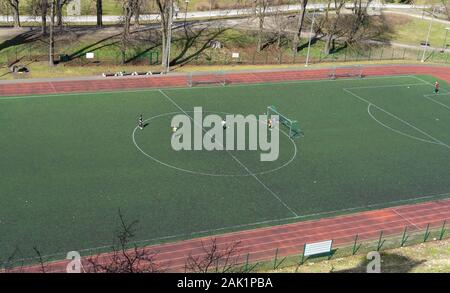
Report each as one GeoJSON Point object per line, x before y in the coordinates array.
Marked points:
{"type": "Point", "coordinates": [63, 57]}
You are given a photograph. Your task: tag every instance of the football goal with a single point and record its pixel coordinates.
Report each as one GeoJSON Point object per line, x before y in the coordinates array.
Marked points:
{"type": "Point", "coordinates": [292, 125]}
{"type": "Point", "coordinates": [348, 71]}
{"type": "Point", "coordinates": [217, 78]}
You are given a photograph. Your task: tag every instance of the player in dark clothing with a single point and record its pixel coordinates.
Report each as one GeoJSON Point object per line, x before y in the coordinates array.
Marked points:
{"type": "Point", "coordinates": [436, 87]}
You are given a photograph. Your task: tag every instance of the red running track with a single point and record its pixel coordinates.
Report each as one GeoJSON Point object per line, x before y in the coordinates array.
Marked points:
{"type": "Point", "coordinates": [289, 239]}
{"type": "Point", "coordinates": [120, 83]}
{"type": "Point", "coordinates": [262, 243]}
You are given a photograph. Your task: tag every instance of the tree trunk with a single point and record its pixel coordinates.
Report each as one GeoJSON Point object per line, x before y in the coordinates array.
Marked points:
{"type": "Point", "coordinates": [99, 5]}
{"type": "Point", "coordinates": [165, 11]}
{"type": "Point", "coordinates": [14, 4]}
{"type": "Point", "coordinates": [137, 13]}
{"type": "Point", "coordinates": [328, 44]}
{"type": "Point", "coordinates": [51, 61]}
{"type": "Point", "coordinates": [301, 20]}
{"type": "Point", "coordinates": [44, 8]}
{"type": "Point", "coordinates": [59, 17]}
{"type": "Point", "coordinates": [261, 10]}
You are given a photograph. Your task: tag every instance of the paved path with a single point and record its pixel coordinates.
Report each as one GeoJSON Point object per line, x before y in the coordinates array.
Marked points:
{"type": "Point", "coordinates": [207, 14]}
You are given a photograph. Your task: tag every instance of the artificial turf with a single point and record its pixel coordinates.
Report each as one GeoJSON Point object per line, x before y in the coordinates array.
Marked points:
{"type": "Point", "coordinates": [69, 162]}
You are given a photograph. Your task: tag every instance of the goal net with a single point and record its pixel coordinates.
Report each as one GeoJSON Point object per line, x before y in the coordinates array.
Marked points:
{"type": "Point", "coordinates": [349, 71]}
{"type": "Point", "coordinates": [217, 78]}
{"type": "Point", "coordinates": [292, 125]}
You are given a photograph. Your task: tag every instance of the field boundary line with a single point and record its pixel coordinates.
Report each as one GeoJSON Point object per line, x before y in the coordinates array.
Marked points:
{"type": "Point", "coordinates": [193, 88]}
{"type": "Point", "coordinates": [398, 118]}
{"type": "Point", "coordinates": [427, 82]}
{"type": "Point", "coordinates": [385, 86]}
{"type": "Point", "coordinates": [398, 131]}
{"type": "Point", "coordinates": [234, 158]}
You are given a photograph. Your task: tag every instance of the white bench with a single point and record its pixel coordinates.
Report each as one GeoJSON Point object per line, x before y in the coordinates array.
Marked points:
{"type": "Point", "coordinates": [323, 247]}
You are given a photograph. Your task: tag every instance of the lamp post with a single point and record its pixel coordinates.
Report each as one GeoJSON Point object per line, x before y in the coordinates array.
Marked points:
{"type": "Point", "coordinates": [428, 36]}
{"type": "Point", "coordinates": [169, 37]}
{"type": "Point", "coordinates": [310, 37]}
{"type": "Point", "coordinates": [444, 46]}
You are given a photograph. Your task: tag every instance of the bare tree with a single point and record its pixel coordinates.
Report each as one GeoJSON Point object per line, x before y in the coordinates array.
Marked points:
{"type": "Point", "coordinates": [14, 5]}
{"type": "Point", "coordinates": [51, 38]}
{"type": "Point", "coordinates": [358, 19]}
{"type": "Point", "coordinates": [281, 23]}
{"type": "Point", "coordinates": [59, 12]}
{"type": "Point", "coordinates": [165, 10]}
{"type": "Point", "coordinates": [129, 9]}
{"type": "Point", "coordinates": [214, 259]}
{"type": "Point", "coordinates": [43, 10]}
{"type": "Point", "coordinates": [446, 6]}
{"type": "Point", "coordinates": [331, 23]}
{"type": "Point", "coordinates": [122, 258]}
{"type": "Point", "coordinates": [99, 11]}
{"type": "Point", "coordinates": [260, 11]}
{"type": "Point", "coordinates": [299, 28]}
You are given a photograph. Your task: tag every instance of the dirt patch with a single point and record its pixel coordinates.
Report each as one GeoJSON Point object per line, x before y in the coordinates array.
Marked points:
{"type": "Point", "coordinates": [395, 20]}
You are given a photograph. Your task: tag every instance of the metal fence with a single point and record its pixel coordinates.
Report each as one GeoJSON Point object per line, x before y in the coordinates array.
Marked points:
{"type": "Point", "coordinates": [39, 52]}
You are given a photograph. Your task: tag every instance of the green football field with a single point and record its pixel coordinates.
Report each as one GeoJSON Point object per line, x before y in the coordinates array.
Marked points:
{"type": "Point", "coordinates": [69, 162]}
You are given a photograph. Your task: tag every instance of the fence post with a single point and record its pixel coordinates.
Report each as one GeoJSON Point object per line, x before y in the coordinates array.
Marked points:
{"type": "Point", "coordinates": [427, 233]}
{"type": "Point", "coordinates": [355, 247]}
{"type": "Point", "coordinates": [381, 54]}
{"type": "Point", "coordinates": [302, 260]}
{"type": "Point", "coordinates": [404, 53]}
{"type": "Point", "coordinates": [441, 234]}
{"type": "Point", "coordinates": [404, 237]}
{"type": "Point", "coordinates": [246, 262]}
{"type": "Point", "coordinates": [380, 241]}
{"type": "Point", "coordinates": [276, 258]}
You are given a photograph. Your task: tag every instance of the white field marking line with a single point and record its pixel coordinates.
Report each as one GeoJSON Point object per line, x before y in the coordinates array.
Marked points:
{"type": "Point", "coordinates": [399, 119]}
{"type": "Point", "coordinates": [210, 231]}
{"type": "Point", "coordinates": [429, 96]}
{"type": "Point", "coordinates": [440, 94]}
{"type": "Point", "coordinates": [203, 87]}
{"type": "Point", "coordinates": [234, 157]}
{"type": "Point", "coordinates": [404, 218]}
{"type": "Point", "coordinates": [385, 86]}
{"type": "Point", "coordinates": [397, 131]}
{"type": "Point", "coordinates": [423, 80]}
{"type": "Point", "coordinates": [205, 173]}
{"type": "Point", "coordinates": [437, 102]}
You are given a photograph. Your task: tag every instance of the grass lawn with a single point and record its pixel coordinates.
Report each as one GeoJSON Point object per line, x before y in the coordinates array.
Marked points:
{"type": "Point", "coordinates": [70, 162]}
{"type": "Point", "coordinates": [413, 31]}
{"type": "Point", "coordinates": [430, 257]}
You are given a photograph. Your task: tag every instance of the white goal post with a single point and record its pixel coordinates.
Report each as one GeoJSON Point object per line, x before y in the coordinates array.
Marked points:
{"type": "Point", "coordinates": [346, 71]}
{"type": "Point", "coordinates": [218, 78]}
